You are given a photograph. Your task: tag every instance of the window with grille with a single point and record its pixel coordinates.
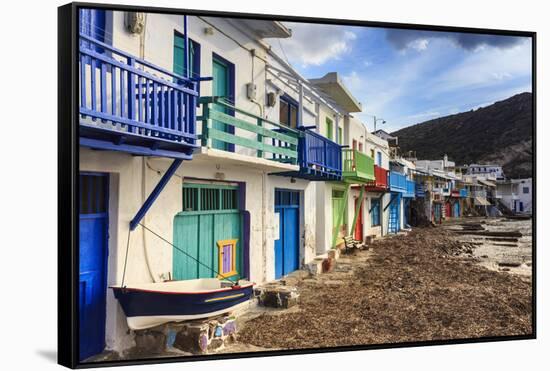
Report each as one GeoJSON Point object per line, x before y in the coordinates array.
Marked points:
{"type": "Point", "coordinates": [287, 198]}
{"type": "Point", "coordinates": [209, 197]}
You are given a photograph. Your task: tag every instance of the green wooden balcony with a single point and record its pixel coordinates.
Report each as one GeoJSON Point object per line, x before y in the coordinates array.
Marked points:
{"type": "Point", "coordinates": [231, 129]}
{"type": "Point", "coordinates": [357, 167]}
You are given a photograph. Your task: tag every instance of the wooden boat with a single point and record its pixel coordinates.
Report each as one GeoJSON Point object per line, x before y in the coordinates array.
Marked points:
{"type": "Point", "coordinates": [152, 304]}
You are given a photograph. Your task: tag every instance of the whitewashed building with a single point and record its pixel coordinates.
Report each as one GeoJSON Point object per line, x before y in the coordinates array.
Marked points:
{"type": "Point", "coordinates": [486, 171]}
{"type": "Point", "coordinates": [516, 195]}
{"type": "Point", "coordinates": [195, 134]}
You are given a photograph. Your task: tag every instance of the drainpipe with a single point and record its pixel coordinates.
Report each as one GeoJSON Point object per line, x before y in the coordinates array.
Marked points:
{"type": "Point", "coordinates": [264, 235]}
{"type": "Point", "coordinates": [254, 100]}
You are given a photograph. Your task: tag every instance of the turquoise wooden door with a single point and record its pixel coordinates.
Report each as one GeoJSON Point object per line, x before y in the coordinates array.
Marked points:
{"type": "Point", "coordinates": [202, 232]}
{"type": "Point", "coordinates": [220, 88]}
{"type": "Point", "coordinates": [456, 210]}
{"type": "Point", "coordinates": [179, 56]}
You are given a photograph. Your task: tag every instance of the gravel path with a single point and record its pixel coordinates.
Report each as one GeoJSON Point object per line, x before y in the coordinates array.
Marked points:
{"type": "Point", "coordinates": [420, 286]}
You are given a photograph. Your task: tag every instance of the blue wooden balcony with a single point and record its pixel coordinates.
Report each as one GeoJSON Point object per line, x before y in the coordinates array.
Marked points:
{"type": "Point", "coordinates": [319, 158]}
{"type": "Point", "coordinates": [398, 182]}
{"type": "Point", "coordinates": [410, 189]}
{"type": "Point", "coordinates": [128, 104]}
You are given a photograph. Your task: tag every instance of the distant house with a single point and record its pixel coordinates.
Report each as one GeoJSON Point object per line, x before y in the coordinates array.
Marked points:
{"type": "Point", "coordinates": [486, 171]}
{"type": "Point", "coordinates": [443, 164]}
{"type": "Point", "coordinates": [392, 140]}
{"type": "Point", "coordinates": [516, 195]}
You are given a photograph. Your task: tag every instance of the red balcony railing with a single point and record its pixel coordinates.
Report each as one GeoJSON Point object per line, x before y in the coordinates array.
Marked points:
{"type": "Point", "coordinates": [380, 183]}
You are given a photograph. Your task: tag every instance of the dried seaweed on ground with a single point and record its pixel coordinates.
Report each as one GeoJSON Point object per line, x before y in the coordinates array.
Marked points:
{"type": "Point", "coordinates": [412, 288]}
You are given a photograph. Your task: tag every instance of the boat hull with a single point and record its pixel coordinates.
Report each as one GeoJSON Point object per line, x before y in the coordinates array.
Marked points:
{"type": "Point", "coordinates": [146, 308]}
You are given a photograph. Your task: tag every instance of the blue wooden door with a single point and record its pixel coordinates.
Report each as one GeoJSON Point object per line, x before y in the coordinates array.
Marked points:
{"type": "Point", "coordinates": [394, 217]}
{"type": "Point", "coordinates": [92, 263]}
{"type": "Point", "coordinates": [287, 247]}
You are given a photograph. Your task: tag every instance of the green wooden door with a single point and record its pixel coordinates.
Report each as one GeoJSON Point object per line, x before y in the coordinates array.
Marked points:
{"type": "Point", "coordinates": [179, 56]}
{"type": "Point", "coordinates": [220, 88]}
{"type": "Point", "coordinates": [338, 203]}
{"type": "Point", "coordinates": [330, 129]}
{"type": "Point", "coordinates": [209, 221]}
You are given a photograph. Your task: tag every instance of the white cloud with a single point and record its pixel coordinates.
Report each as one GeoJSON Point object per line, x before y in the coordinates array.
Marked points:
{"type": "Point", "coordinates": [352, 81]}
{"type": "Point", "coordinates": [419, 44]}
{"type": "Point", "coordinates": [488, 67]}
{"type": "Point", "coordinates": [313, 44]}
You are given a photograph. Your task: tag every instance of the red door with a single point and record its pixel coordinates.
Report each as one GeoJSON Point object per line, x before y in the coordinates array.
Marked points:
{"type": "Point", "coordinates": [359, 225]}
{"type": "Point", "coordinates": [448, 210]}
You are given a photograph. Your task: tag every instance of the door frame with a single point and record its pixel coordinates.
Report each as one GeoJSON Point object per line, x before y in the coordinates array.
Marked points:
{"type": "Point", "coordinates": [105, 265]}
{"type": "Point", "coordinates": [299, 230]}
{"type": "Point", "coordinates": [230, 147]}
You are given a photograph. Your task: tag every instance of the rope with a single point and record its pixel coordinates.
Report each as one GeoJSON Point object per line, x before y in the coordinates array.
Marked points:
{"type": "Point", "coordinates": [186, 254]}
{"type": "Point", "coordinates": [126, 258]}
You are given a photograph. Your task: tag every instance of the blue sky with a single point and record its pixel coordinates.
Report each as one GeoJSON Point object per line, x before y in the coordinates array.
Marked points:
{"type": "Point", "coordinates": [410, 76]}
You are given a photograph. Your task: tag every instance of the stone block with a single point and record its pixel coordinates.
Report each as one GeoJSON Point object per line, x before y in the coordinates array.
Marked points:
{"type": "Point", "coordinates": [193, 338]}
{"type": "Point", "coordinates": [315, 267]}
{"type": "Point", "coordinates": [150, 341]}
{"type": "Point", "coordinates": [278, 297]}
{"type": "Point", "coordinates": [334, 254]}
{"type": "Point", "coordinates": [328, 265]}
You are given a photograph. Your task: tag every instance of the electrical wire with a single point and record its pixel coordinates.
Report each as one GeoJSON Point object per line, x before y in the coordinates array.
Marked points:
{"type": "Point", "coordinates": [283, 51]}
{"type": "Point", "coordinates": [189, 255]}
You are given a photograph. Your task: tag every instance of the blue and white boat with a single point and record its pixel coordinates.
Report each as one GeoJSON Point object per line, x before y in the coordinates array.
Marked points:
{"type": "Point", "coordinates": [152, 304]}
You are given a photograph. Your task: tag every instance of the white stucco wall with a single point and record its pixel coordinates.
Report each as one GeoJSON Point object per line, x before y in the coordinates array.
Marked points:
{"type": "Point", "coordinates": [149, 258]}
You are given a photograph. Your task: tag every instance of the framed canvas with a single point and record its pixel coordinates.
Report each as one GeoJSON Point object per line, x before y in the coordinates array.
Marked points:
{"type": "Point", "coordinates": [240, 185]}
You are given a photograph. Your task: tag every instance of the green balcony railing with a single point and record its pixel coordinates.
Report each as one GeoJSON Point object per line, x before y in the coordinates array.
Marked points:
{"type": "Point", "coordinates": [357, 167]}
{"type": "Point", "coordinates": [228, 128]}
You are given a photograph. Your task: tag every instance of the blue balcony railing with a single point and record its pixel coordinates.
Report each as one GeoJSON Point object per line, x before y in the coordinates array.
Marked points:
{"type": "Point", "coordinates": [131, 105]}
{"type": "Point", "coordinates": [319, 157]}
{"type": "Point", "coordinates": [409, 189]}
{"type": "Point", "coordinates": [398, 182]}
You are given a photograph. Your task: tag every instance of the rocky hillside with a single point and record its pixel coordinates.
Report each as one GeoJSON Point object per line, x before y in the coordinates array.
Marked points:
{"type": "Point", "coordinates": [501, 133]}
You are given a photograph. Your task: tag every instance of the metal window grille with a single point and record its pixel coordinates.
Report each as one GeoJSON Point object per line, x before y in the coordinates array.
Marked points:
{"type": "Point", "coordinates": [205, 197]}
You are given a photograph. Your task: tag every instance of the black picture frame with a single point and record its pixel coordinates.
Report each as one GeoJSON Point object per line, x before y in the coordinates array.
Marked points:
{"type": "Point", "coordinates": [68, 182]}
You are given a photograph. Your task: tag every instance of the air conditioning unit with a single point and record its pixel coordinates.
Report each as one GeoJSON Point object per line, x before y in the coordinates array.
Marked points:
{"type": "Point", "coordinates": [135, 22]}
